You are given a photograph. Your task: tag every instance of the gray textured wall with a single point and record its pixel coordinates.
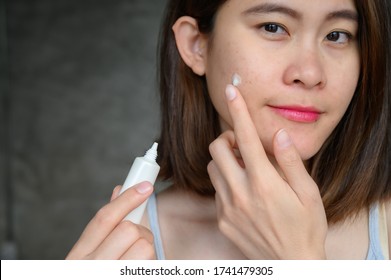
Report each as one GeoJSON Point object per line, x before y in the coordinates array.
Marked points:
{"type": "Point", "coordinates": [3, 122]}
{"type": "Point", "coordinates": [83, 104]}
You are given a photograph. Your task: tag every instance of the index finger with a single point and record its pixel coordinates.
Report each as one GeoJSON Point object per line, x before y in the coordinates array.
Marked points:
{"type": "Point", "coordinates": [246, 134]}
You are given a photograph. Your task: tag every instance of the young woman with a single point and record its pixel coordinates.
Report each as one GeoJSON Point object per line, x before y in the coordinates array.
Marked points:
{"type": "Point", "coordinates": [293, 162]}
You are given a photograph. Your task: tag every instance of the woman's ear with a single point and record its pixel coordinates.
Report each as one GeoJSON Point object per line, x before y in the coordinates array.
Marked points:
{"type": "Point", "coordinates": [191, 44]}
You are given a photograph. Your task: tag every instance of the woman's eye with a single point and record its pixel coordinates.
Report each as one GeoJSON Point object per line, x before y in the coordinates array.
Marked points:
{"type": "Point", "coordinates": [273, 28]}
{"type": "Point", "coordinates": [338, 37]}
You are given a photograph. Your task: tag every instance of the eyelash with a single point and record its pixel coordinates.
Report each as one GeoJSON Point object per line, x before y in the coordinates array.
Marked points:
{"type": "Point", "coordinates": [276, 27]}
{"type": "Point", "coordinates": [347, 35]}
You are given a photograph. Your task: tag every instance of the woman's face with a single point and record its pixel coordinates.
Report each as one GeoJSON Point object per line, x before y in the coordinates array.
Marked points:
{"type": "Point", "coordinates": [298, 61]}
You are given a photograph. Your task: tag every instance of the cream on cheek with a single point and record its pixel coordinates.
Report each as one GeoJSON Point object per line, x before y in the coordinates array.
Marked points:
{"type": "Point", "coordinates": [236, 79]}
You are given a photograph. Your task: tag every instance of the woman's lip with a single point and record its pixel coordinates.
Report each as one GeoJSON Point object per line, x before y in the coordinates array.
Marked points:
{"type": "Point", "coordinates": [298, 113]}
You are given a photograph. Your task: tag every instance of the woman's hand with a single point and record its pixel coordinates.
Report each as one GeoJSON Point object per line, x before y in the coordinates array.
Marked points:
{"type": "Point", "coordinates": [107, 236]}
{"type": "Point", "coordinates": [267, 215]}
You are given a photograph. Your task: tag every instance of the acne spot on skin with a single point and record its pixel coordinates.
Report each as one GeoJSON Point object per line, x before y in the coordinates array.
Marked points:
{"type": "Point", "coordinates": [236, 80]}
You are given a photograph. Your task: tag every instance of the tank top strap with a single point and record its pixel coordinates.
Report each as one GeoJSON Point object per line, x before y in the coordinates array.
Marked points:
{"type": "Point", "coordinates": [375, 248]}
{"type": "Point", "coordinates": [154, 224]}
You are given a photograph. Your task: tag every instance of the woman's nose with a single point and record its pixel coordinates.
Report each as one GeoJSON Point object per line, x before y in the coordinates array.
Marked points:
{"type": "Point", "coordinates": [306, 70]}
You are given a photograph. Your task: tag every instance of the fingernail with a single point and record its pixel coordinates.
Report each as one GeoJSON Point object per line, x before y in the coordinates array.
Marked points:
{"type": "Point", "coordinates": [143, 188]}
{"type": "Point", "coordinates": [283, 139]}
{"type": "Point", "coordinates": [230, 92]}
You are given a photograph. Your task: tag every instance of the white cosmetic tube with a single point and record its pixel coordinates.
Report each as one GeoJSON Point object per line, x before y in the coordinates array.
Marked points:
{"type": "Point", "coordinates": [143, 169]}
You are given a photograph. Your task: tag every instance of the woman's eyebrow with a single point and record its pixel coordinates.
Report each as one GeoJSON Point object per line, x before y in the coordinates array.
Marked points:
{"type": "Point", "coordinates": [268, 8]}
{"type": "Point", "coordinates": [343, 14]}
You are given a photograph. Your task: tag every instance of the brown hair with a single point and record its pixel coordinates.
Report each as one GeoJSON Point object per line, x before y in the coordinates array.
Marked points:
{"type": "Point", "coordinates": [352, 169]}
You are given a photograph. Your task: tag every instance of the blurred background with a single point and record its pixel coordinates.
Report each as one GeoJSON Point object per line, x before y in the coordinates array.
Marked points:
{"type": "Point", "coordinates": [78, 103]}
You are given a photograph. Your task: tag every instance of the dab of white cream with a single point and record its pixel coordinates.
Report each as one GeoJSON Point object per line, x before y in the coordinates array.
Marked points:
{"type": "Point", "coordinates": [236, 80]}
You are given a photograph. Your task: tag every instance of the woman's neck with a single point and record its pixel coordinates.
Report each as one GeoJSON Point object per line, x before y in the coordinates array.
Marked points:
{"type": "Point", "coordinates": [189, 205]}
